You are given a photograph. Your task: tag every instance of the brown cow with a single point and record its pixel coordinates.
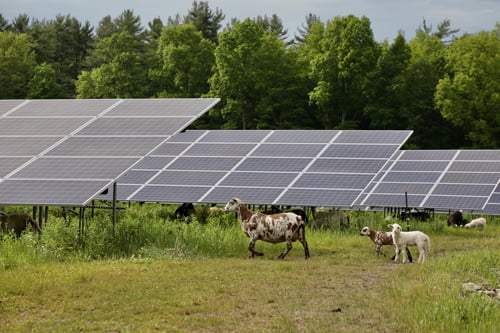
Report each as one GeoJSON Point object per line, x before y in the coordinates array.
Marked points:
{"type": "Point", "coordinates": [276, 228]}
{"type": "Point", "coordinates": [17, 223]}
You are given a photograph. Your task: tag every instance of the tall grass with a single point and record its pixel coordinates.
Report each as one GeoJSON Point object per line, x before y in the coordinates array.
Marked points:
{"type": "Point", "coordinates": [186, 268]}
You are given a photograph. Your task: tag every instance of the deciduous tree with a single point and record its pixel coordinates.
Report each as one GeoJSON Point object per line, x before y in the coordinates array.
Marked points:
{"type": "Point", "coordinates": [469, 94]}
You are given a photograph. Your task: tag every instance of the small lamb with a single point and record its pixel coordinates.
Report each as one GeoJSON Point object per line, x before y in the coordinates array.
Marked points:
{"type": "Point", "coordinates": [381, 238]}
{"type": "Point", "coordinates": [403, 239]}
{"type": "Point", "coordinates": [479, 223]}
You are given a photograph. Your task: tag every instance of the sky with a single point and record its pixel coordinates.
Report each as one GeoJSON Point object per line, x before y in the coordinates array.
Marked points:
{"type": "Point", "coordinates": [387, 17]}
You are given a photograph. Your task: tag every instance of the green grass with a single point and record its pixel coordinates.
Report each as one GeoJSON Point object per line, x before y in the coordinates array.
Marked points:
{"type": "Point", "coordinates": [156, 274]}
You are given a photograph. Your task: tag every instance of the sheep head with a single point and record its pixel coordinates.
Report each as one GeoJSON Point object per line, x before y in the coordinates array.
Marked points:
{"type": "Point", "coordinates": [395, 227]}
{"type": "Point", "coordinates": [365, 231]}
{"type": "Point", "coordinates": [233, 205]}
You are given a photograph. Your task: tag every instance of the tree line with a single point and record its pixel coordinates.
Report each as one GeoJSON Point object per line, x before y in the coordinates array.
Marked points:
{"type": "Point", "coordinates": [331, 75]}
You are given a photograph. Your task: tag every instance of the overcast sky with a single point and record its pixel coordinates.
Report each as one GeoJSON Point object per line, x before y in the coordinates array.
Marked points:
{"type": "Point", "coordinates": [387, 17]}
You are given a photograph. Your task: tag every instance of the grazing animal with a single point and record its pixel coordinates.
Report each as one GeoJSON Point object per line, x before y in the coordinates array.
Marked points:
{"type": "Point", "coordinates": [275, 228]}
{"type": "Point", "coordinates": [17, 223]}
{"type": "Point", "coordinates": [329, 220]}
{"type": "Point", "coordinates": [185, 210]}
{"type": "Point", "coordinates": [215, 211]}
{"type": "Point", "coordinates": [403, 239]}
{"type": "Point", "coordinates": [479, 223]}
{"type": "Point", "coordinates": [417, 215]}
{"type": "Point", "coordinates": [381, 238]}
{"type": "Point", "coordinates": [298, 211]}
{"type": "Point", "coordinates": [456, 219]}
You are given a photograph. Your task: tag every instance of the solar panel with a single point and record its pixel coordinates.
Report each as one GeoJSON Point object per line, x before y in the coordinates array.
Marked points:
{"type": "Point", "coordinates": [288, 167]}
{"type": "Point", "coordinates": [440, 179]}
{"type": "Point", "coordinates": [493, 205]}
{"type": "Point", "coordinates": [66, 152]}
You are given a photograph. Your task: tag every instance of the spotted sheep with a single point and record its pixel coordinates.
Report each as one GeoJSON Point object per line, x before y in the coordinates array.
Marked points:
{"type": "Point", "coordinates": [17, 223]}
{"type": "Point", "coordinates": [275, 228]}
{"type": "Point", "coordinates": [381, 238]}
{"type": "Point", "coordinates": [403, 239]}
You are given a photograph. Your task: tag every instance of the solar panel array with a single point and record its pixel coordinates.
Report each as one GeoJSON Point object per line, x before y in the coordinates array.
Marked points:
{"type": "Point", "coordinates": [288, 167]}
{"type": "Point", "coordinates": [65, 152]}
{"type": "Point", "coordinates": [439, 179]}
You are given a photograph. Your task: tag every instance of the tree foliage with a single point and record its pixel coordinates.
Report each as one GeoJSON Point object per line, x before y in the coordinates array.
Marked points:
{"type": "Point", "coordinates": [469, 94]}
{"type": "Point", "coordinates": [205, 20]}
{"type": "Point", "coordinates": [17, 63]}
{"type": "Point", "coordinates": [185, 60]}
{"type": "Point", "coordinates": [342, 69]}
{"type": "Point", "coordinates": [332, 75]}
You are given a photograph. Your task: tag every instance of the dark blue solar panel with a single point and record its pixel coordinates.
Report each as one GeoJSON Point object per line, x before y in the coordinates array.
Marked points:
{"type": "Point", "coordinates": [463, 189]}
{"type": "Point", "coordinates": [360, 151]}
{"type": "Point", "coordinates": [347, 165]}
{"type": "Point", "coordinates": [490, 166]}
{"type": "Point", "coordinates": [64, 141]}
{"type": "Point", "coordinates": [420, 166]}
{"type": "Point", "coordinates": [171, 194]}
{"type": "Point", "coordinates": [263, 179]}
{"type": "Point", "coordinates": [398, 188]}
{"type": "Point", "coordinates": [394, 200]}
{"type": "Point", "coordinates": [371, 137]}
{"type": "Point", "coordinates": [254, 195]}
{"type": "Point", "coordinates": [288, 150]}
{"type": "Point", "coordinates": [339, 181]}
{"type": "Point", "coordinates": [479, 155]}
{"type": "Point", "coordinates": [219, 149]}
{"type": "Point", "coordinates": [412, 177]}
{"type": "Point", "coordinates": [42, 126]}
{"type": "Point", "coordinates": [7, 165]}
{"type": "Point", "coordinates": [111, 146]}
{"type": "Point", "coordinates": [123, 192]}
{"type": "Point", "coordinates": [49, 192]}
{"type": "Point", "coordinates": [310, 197]}
{"type": "Point", "coordinates": [470, 178]}
{"type": "Point", "coordinates": [232, 136]}
{"type": "Point", "coordinates": [428, 155]}
{"type": "Point", "coordinates": [154, 162]}
{"type": "Point", "coordinates": [455, 202]}
{"type": "Point", "coordinates": [172, 149]}
{"type": "Point", "coordinates": [25, 146]}
{"type": "Point", "coordinates": [195, 178]}
{"type": "Point", "coordinates": [134, 126]}
{"type": "Point", "coordinates": [137, 177]}
{"type": "Point", "coordinates": [301, 136]}
{"type": "Point", "coordinates": [273, 164]}
{"type": "Point", "coordinates": [204, 163]}
{"type": "Point", "coordinates": [75, 168]}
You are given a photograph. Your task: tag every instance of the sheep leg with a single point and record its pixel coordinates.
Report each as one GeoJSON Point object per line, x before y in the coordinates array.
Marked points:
{"type": "Point", "coordinates": [251, 248]}
{"type": "Point", "coordinates": [396, 255]}
{"type": "Point", "coordinates": [403, 253]}
{"type": "Point", "coordinates": [306, 248]}
{"type": "Point", "coordinates": [302, 240]}
{"type": "Point", "coordinates": [421, 255]}
{"type": "Point", "coordinates": [410, 259]}
{"type": "Point", "coordinates": [287, 249]}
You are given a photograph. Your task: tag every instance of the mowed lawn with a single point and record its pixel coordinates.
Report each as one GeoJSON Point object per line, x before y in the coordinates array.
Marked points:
{"type": "Point", "coordinates": [343, 287]}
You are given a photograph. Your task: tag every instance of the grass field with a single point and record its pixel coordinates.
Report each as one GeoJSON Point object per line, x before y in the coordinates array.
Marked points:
{"type": "Point", "coordinates": [158, 275]}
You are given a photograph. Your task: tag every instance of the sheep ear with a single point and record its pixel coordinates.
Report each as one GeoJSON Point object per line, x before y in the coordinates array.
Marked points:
{"type": "Point", "coordinates": [390, 226]}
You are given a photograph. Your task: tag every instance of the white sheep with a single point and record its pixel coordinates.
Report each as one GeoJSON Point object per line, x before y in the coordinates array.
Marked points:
{"type": "Point", "coordinates": [381, 238]}
{"type": "Point", "coordinates": [403, 239]}
{"type": "Point", "coordinates": [479, 223]}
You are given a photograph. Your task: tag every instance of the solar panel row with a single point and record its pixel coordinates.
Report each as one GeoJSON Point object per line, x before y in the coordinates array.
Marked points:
{"type": "Point", "coordinates": [65, 152]}
{"type": "Point", "coordinates": [292, 167]}
{"type": "Point", "coordinates": [441, 179]}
